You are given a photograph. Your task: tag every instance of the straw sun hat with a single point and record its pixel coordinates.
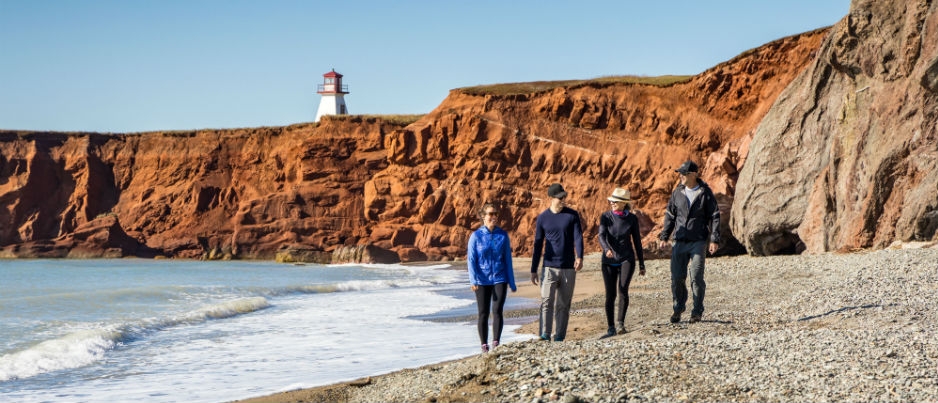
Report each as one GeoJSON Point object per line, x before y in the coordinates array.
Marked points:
{"type": "Point", "coordinates": [620, 195]}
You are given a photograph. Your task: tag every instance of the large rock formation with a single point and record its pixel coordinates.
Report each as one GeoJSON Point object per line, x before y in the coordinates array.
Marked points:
{"type": "Point", "coordinates": [846, 158]}
{"type": "Point", "coordinates": [413, 191]}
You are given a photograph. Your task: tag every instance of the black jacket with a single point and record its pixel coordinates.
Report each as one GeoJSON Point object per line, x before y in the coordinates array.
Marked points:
{"type": "Point", "coordinates": [689, 223]}
{"type": "Point", "coordinates": [619, 234]}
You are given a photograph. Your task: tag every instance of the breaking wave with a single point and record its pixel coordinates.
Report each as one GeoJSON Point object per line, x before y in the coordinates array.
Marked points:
{"type": "Point", "coordinates": [85, 347]}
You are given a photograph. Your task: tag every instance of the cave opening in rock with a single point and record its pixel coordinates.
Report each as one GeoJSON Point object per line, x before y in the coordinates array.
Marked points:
{"type": "Point", "coordinates": [787, 244]}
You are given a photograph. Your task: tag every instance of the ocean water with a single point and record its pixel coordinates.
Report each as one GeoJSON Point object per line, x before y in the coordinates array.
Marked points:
{"type": "Point", "coordinates": [135, 330]}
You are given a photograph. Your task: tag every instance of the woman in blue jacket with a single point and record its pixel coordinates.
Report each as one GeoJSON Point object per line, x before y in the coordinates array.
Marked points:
{"type": "Point", "coordinates": [490, 273]}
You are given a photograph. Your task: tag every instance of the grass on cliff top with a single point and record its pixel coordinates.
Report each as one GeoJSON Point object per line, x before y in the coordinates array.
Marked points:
{"type": "Point", "coordinates": [540, 86]}
{"type": "Point", "coordinates": [402, 120]}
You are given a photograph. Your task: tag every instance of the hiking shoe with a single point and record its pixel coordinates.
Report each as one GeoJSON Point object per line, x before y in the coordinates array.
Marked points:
{"type": "Point", "coordinates": [558, 338]}
{"type": "Point", "coordinates": [609, 333]}
{"type": "Point", "coordinates": [545, 337]}
{"type": "Point", "coordinates": [621, 330]}
{"type": "Point", "coordinates": [676, 317]}
{"type": "Point", "coordinates": [494, 344]}
{"type": "Point", "coordinates": [485, 348]}
{"type": "Point", "coordinates": [695, 318]}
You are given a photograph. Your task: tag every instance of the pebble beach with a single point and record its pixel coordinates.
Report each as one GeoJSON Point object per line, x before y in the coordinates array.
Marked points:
{"type": "Point", "coordinates": [854, 327]}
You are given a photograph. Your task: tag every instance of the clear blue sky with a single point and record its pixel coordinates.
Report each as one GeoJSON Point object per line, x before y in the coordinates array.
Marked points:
{"type": "Point", "coordinates": [132, 66]}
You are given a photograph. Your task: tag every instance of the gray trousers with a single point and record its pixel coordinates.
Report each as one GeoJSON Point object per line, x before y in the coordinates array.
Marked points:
{"type": "Point", "coordinates": [556, 294]}
{"type": "Point", "coordinates": [684, 256]}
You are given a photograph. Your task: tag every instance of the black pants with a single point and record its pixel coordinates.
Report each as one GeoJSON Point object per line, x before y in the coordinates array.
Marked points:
{"type": "Point", "coordinates": [485, 295]}
{"type": "Point", "coordinates": [617, 280]}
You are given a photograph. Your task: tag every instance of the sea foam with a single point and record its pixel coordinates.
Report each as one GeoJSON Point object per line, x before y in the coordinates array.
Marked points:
{"type": "Point", "coordinates": [84, 347]}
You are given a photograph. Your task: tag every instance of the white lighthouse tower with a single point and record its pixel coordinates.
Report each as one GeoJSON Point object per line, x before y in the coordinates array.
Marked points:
{"type": "Point", "coordinates": [333, 95]}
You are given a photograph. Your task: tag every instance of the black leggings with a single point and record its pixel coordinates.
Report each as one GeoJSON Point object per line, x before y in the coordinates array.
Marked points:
{"type": "Point", "coordinates": [485, 294]}
{"type": "Point", "coordinates": [617, 280]}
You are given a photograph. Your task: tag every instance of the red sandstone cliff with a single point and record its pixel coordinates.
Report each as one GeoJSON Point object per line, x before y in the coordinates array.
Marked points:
{"type": "Point", "coordinates": [208, 193]}
{"type": "Point", "coordinates": [413, 190]}
{"type": "Point", "coordinates": [592, 138]}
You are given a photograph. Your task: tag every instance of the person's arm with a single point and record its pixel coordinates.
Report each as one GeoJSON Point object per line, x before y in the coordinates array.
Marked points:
{"type": "Point", "coordinates": [472, 260]}
{"type": "Point", "coordinates": [668, 225]}
{"type": "Point", "coordinates": [577, 243]}
{"type": "Point", "coordinates": [604, 225]}
{"type": "Point", "coordinates": [538, 247]}
{"type": "Point", "coordinates": [668, 220]}
{"type": "Point", "coordinates": [714, 210]}
{"type": "Point", "coordinates": [637, 242]}
{"type": "Point", "coordinates": [506, 257]}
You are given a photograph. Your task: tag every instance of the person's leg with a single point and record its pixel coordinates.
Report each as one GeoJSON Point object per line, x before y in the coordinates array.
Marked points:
{"type": "Point", "coordinates": [548, 291]}
{"type": "Point", "coordinates": [610, 275]}
{"type": "Point", "coordinates": [679, 258]}
{"type": "Point", "coordinates": [625, 278]}
{"type": "Point", "coordinates": [564, 298]}
{"type": "Point", "coordinates": [498, 299]}
{"type": "Point", "coordinates": [698, 285]}
{"type": "Point", "coordinates": [484, 300]}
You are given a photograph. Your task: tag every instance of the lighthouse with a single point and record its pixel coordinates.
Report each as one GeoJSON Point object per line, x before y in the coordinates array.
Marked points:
{"type": "Point", "coordinates": [333, 95]}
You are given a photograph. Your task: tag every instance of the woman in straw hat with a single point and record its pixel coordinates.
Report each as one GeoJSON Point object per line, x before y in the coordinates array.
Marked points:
{"type": "Point", "coordinates": [618, 233]}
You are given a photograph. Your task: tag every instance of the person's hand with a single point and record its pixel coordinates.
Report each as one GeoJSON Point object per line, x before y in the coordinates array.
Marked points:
{"type": "Point", "coordinates": [609, 253]}
{"type": "Point", "coordinates": [514, 289]}
{"type": "Point", "coordinates": [662, 244]}
{"type": "Point", "coordinates": [578, 264]}
{"type": "Point", "coordinates": [641, 269]}
{"type": "Point", "coordinates": [474, 287]}
{"type": "Point", "coordinates": [713, 247]}
{"type": "Point", "coordinates": [534, 278]}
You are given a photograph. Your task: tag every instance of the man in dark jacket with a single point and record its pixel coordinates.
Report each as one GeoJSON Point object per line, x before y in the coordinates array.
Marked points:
{"type": "Point", "coordinates": [691, 222]}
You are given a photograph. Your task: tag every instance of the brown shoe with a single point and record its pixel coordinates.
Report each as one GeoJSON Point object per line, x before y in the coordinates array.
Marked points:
{"type": "Point", "coordinates": [695, 318]}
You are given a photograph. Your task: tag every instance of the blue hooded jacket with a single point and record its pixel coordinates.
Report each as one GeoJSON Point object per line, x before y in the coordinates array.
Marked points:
{"type": "Point", "coordinates": [489, 258]}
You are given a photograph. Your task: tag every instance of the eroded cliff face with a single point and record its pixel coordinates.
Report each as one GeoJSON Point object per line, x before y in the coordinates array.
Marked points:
{"type": "Point", "coordinates": [210, 193]}
{"type": "Point", "coordinates": [412, 190]}
{"type": "Point", "coordinates": [846, 159]}
{"type": "Point", "coordinates": [592, 138]}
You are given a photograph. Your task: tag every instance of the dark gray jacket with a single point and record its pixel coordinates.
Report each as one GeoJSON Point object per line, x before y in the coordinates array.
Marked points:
{"type": "Point", "coordinates": [689, 223]}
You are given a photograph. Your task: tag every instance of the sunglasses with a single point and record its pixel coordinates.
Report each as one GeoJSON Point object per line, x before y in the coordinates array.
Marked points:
{"type": "Point", "coordinates": [493, 213]}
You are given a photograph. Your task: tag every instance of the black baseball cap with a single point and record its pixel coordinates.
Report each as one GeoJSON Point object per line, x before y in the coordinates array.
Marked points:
{"type": "Point", "coordinates": [687, 166]}
{"type": "Point", "coordinates": [556, 191]}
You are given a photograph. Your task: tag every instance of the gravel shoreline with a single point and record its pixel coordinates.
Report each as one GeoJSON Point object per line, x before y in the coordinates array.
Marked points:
{"type": "Point", "coordinates": [832, 328]}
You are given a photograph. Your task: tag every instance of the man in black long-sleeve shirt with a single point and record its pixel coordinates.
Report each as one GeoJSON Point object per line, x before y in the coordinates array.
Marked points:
{"type": "Point", "coordinates": [563, 257]}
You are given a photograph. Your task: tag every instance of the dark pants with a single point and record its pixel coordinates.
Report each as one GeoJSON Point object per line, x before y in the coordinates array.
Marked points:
{"type": "Point", "coordinates": [485, 295]}
{"type": "Point", "coordinates": [617, 280]}
{"type": "Point", "coordinates": [684, 256]}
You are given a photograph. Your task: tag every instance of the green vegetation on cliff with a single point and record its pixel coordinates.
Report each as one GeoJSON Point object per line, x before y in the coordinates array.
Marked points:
{"type": "Point", "coordinates": [540, 86]}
